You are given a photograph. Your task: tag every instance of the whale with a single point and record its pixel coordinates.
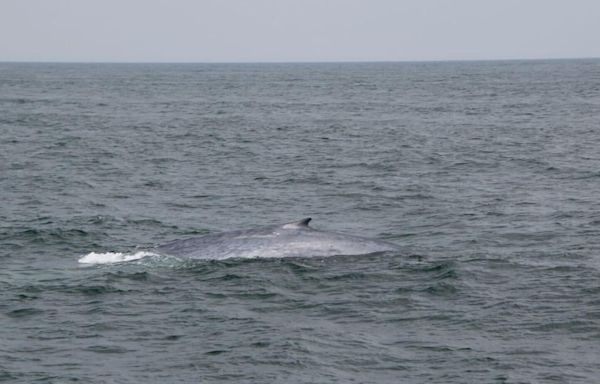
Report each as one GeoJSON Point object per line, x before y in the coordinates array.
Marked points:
{"type": "Point", "coordinates": [295, 239]}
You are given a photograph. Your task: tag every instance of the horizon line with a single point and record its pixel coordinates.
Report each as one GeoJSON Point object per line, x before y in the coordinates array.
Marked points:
{"type": "Point", "coordinates": [293, 61]}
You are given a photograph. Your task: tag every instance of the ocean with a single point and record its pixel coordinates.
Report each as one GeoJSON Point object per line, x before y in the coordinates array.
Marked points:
{"type": "Point", "coordinates": [486, 174]}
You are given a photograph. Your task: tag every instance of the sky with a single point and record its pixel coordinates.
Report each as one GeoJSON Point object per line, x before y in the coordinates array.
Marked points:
{"type": "Point", "coordinates": [296, 31]}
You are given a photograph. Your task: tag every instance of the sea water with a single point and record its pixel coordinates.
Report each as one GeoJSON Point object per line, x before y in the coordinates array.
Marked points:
{"type": "Point", "coordinates": [487, 174]}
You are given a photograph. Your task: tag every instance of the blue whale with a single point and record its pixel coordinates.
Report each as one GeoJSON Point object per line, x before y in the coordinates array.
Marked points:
{"type": "Point", "coordinates": [295, 239]}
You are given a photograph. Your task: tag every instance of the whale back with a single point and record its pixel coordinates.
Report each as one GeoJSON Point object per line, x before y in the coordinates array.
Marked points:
{"type": "Point", "coordinates": [295, 239]}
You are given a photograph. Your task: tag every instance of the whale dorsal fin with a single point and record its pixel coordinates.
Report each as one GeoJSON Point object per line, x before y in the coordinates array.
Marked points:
{"type": "Point", "coordinates": [298, 224]}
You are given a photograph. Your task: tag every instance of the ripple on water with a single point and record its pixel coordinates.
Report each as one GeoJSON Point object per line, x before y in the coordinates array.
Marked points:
{"type": "Point", "coordinates": [25, 312]}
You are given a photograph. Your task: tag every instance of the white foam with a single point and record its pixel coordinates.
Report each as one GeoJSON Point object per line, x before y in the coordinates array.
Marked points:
{"type": "Point", "coordinates": [113, 257]}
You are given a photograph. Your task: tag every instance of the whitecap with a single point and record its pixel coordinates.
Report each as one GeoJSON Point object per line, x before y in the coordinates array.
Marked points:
{"type": "Point", "coordinates": [113, 257]}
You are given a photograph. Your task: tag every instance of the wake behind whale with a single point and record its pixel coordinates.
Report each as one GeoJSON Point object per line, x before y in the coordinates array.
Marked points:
{"type": "Point", "coordinates": [295, 239]}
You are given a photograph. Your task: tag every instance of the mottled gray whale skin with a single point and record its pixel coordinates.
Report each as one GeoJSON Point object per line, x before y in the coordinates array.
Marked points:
{"type": "Point", "coordinates": [277, 241]}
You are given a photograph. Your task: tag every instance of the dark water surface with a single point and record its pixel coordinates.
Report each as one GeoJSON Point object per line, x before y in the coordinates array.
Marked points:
{"type": "Point", "coordinates": [487, 174]}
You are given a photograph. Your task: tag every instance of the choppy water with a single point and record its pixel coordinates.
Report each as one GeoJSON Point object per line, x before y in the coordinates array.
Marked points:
{"type": "Point", "coordinates": [487, 174]}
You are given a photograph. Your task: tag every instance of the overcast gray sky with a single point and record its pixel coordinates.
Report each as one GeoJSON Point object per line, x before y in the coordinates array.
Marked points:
{"type": "Point", "coordinates": [300, 30]}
